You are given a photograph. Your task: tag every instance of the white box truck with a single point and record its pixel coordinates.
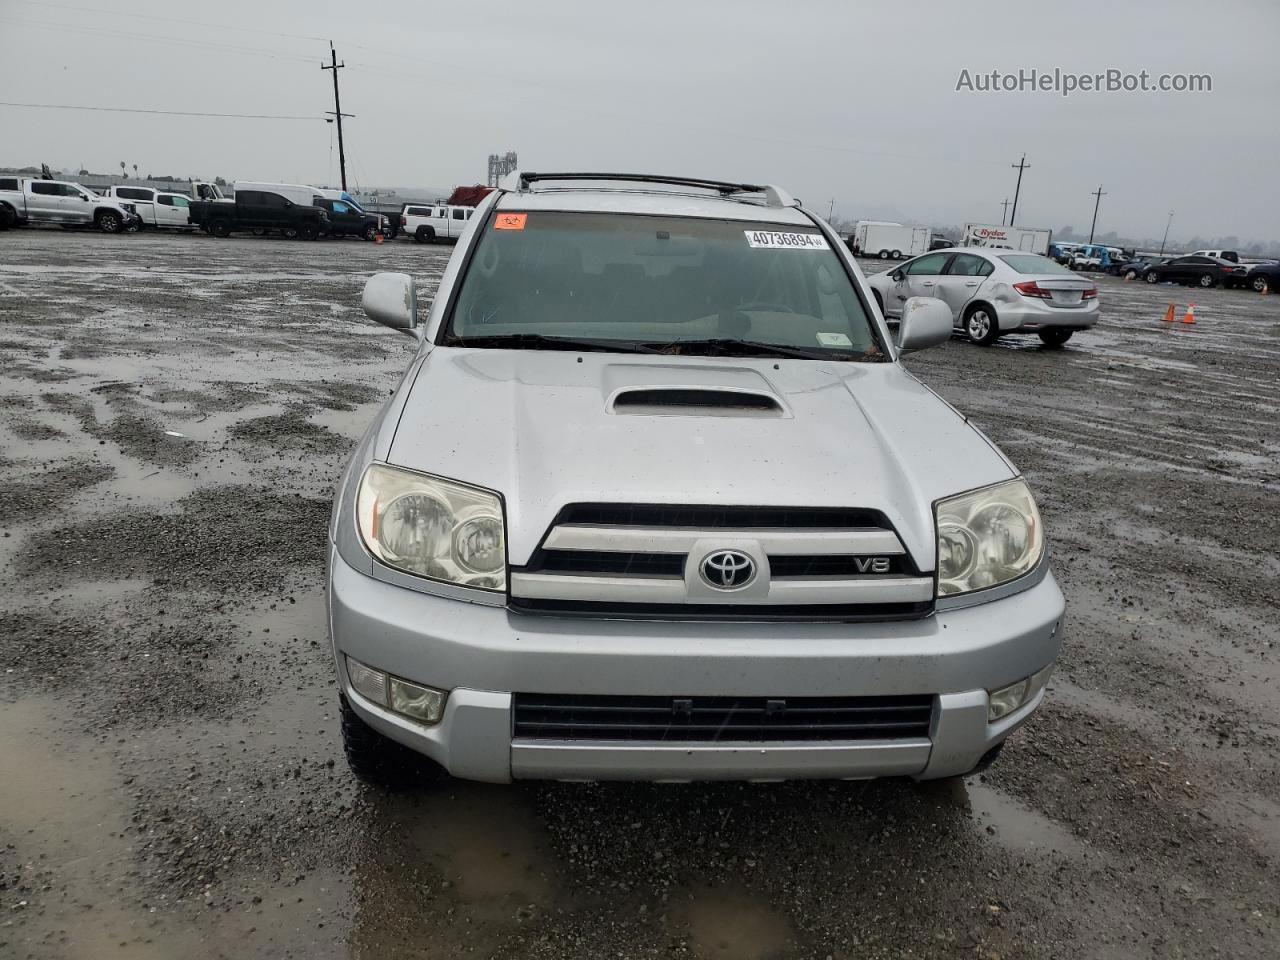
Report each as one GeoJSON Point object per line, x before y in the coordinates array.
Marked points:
{"type": "Point", "coordinates": [888, 241]}
{"type": "Point", "coordinates": [1027, 239]}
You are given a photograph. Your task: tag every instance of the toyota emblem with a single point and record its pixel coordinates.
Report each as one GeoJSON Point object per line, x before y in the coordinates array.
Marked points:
{"type": "Point", "coordinates": [728, 569]}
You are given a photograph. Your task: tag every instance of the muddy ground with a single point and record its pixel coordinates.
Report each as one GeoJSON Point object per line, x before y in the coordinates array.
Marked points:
{"type": "Point", "coordinates": [173, 414]}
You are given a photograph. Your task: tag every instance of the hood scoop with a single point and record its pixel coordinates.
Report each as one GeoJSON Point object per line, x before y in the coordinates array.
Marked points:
{"type": "Point", "coordinates": [695, 401]}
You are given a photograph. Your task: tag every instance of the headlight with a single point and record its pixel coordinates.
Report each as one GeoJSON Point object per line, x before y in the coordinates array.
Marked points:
{"type": "Point", "coordinates": [987, 537]}
{"type": "Point", "coordinates": [433, 528]}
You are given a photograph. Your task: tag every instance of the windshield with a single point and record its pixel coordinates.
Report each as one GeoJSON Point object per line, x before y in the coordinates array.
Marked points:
{"type": "Point", "coordinates": [667, 284]}
{"type": "Point", "coordinates": [1034, 263]}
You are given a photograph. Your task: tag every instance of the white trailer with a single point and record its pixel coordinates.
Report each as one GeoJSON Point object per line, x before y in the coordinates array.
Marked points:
{"type": "Point", "coordinates": [888, 241]}
{"type": "Point", "coordinates": [1026, 239]}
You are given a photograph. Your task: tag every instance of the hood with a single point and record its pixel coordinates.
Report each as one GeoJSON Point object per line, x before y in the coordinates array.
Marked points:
{"type": "Point", "coordinates": [549, 428]}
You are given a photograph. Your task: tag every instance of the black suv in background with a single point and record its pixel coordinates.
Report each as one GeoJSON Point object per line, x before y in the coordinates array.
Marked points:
{"type": "Point", "coordinates": [348, 221]}
{"type": "Point", "coordinates": [1200, 271]}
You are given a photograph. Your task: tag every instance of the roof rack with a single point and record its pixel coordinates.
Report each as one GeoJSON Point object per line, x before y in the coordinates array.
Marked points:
{"type": "Point", "coordinates": [519, 181]}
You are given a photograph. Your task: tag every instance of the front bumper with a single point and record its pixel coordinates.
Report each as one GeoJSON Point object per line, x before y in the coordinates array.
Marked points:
{"type": "Point", "coordinates": [483, 655]}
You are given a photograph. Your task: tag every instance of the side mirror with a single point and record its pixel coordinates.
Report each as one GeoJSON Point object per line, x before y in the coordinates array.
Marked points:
{"type": "Point", "coordinates": [391, 299]}
{"type": "Point", "coordinates": [84, 198]}
{"type": "Point", "coordinates": [897, 276]}
{"type": "Point", "coordinates": [926, 322]}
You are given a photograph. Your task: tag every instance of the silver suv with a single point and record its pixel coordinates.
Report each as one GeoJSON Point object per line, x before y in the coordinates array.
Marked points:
{"type": "Point", "coordinates": [657, 500]}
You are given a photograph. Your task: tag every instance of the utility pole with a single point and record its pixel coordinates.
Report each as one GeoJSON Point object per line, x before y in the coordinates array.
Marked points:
{"type": "Point", "coordinates": [1166, 232]}
{"type": "Point", "coordinates": [1098, 195]}
{"type": "Point", "coordinates": [1019, 166]}
{"type": "Point", "coordinates": [335, 66]}
{"type": "Point", "coordinates": [831, 208]}
{"type": "Point", "coordinates": [1004, 212]}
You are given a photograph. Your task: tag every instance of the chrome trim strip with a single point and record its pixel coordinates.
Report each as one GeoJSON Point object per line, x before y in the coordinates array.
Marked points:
{"type": "Point", "coordinates": [785, 590]}
{"type": "Point", "coordinates": [558, 760]}
{"type": "Point", "coordinates": [818, 541]}
{"type": "Point", "coordinates": [958, 601]}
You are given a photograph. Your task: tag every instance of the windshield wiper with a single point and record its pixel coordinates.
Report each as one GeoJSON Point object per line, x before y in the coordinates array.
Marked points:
{"type": "Point", "coordinates": [540, 341]}
{"type": "Point", "coordinates": [729, 346]}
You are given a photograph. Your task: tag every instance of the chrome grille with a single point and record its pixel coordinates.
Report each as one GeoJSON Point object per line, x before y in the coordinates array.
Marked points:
{"type": "Point", "coordinates": [830, 563]}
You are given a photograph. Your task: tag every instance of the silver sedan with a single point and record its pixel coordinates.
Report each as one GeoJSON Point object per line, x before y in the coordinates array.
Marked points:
{"type": "Point", "coordinates": [994, 292]}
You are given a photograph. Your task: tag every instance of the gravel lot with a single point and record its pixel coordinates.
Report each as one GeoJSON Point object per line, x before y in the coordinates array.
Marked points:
{"type": "Point", "coordinates": [174, 412]}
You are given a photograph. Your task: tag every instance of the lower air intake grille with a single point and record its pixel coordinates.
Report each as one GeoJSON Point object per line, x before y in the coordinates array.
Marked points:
{"type": "Point", "coordinates": [720, 719]}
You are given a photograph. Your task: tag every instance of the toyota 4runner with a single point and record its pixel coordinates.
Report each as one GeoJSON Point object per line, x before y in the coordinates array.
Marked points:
{"type": "Point", "coordinates": [657, 499]}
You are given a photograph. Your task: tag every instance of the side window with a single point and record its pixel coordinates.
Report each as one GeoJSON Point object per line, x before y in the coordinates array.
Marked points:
{"type": "Point", "coordinates": [44, 188]}
{"type": "Point", "coordinates": [8, 183]}
{"type": "Point", "coordinates": [133, 193]}
{"type": "Point", "coordinates": [438, 212]}
{"type": "Point", "coordinates": [180, 201]}
{"type": "Point", "coordinates": [339, 207]}
{"type": "Point", "coordinates": [251, 198]}
{"type": "Point", "coordinates": [273, 201]}
{"type": "Point", "coordinates": [930, 264]}
{"type": "Point", "coordinates": [469, 213]}
{"type": "Point", "coordinates": [459, 214]}
{"type": "Point", "coordinates": [165, 201]}
{"type": "Point", "coordinates": [967, 265]}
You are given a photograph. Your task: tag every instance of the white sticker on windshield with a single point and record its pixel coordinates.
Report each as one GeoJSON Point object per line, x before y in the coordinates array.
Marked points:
{"type": "Point", "coordinates": [774, 240]}
{"type": "Point", "coordinates": [834, 340]}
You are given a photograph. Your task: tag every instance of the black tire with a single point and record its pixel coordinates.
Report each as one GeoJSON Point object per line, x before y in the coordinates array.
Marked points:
{"type": "Point", "coordinates": [221, 227]}
{"type": "Point", "coordinates": [1207, 280]}
{"type": "Point", "coordinates": [290, 232]}
{"type": "Point", "coordinates": [882, 255]}
{"type": "Point", "coordinates": [369, 232]}
{"type": "Point", "coordinates": [1260, 284]}
{"type": "Point", "coordinates": [1053, 339]}
{"type": "Point", "coordinates": [895, 254]}
{"type": "Point", "coordinates": [308, 231]}
{"type": "Point", "coordinates": [1151, 277]}
{"type": "Point", "coordinates": [109, 222]}
{"type": "Point", "coordinates": [380, 762]}
{"type": "Point", "coordinates": [259, 231]}
{"type": "Point", "coordinates": [981, 324]}
{"type": "Point", "coordinates": [1131, 274]}
{"type": "Point", "coordinates": [425, 235]}
{"type": "Point", "coordinates": [7, 216]}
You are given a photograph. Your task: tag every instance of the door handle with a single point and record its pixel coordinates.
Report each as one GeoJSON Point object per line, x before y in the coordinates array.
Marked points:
{"type": "Point", "coordinates": [971, 283]}
{"type": "Point", "coordinates": [926, 283]}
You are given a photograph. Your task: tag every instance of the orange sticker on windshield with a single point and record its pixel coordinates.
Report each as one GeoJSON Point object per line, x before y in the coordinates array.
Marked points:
{"type": "Point", "coordinates": [510, 221]}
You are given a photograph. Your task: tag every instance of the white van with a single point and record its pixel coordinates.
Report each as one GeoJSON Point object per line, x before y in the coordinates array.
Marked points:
{"type": "Point", "coordinates": [427, 223]}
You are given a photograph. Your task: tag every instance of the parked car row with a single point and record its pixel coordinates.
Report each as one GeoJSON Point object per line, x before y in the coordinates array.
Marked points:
{"type": "Point", "coordinates": [292, 210]}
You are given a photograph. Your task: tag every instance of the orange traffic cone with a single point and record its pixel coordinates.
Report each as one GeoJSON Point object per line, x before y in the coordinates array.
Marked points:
{"type": "Point", "coordinates": [1127, 278]}
{"type": "Point", "coordinates": [1191, 314]}
{"type": "Point", "coordinates": [377, 238]}
{"type": "Point", "coordinates": [1168, 314]}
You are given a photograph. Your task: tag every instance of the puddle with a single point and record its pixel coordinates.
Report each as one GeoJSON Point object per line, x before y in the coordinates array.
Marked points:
{"type": "Point", "coordinates": [736, 926]}
{"type": "Point", "coordinates": [1016, 826]}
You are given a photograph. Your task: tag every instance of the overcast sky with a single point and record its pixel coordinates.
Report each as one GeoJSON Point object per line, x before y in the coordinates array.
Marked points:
{"type": "Point", "coordinates": [851, 101]}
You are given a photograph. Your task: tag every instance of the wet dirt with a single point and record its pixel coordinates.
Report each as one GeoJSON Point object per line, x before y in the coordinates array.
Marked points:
{"type": "Point", "coordinates": [174, 412]}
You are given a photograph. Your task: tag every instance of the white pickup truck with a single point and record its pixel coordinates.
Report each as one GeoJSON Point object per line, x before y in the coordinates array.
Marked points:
{"type": "Point", "coordinates": [58, 201]}
{"type": "Point", "coordinates": [427, 223]}
{"type": "Point", "coordinates": [156, 208]}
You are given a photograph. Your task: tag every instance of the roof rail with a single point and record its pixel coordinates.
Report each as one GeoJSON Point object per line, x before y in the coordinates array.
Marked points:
{"type": "Point", "coordinates": [519, 181]}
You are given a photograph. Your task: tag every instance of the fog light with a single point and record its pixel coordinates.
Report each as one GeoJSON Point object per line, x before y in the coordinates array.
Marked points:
{"type": "Point", "coordinates": [1004, 701]}
{"type": "Point", "coordinates": [368, 682]}
{"type": "Point", "coordinates": [417, 702]}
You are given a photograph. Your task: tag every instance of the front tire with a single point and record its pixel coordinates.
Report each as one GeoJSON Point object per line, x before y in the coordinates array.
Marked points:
{"type": "Point", "coordinates": [1131, 274]}
{"type": "Point", "coordinates": [381, 762]}
{"type": "Point", "coordinates": [1206, 281]}
{"type": "Point", "coordinates": [424, 235]}
{"type": "Point", "coordinates": [882, 255]}
{"type": "Point", "coordinates": [1054, 339]}
{"type": "Point", "coordinates": [981, 325]}
{"type": "Point", "coordinates": [308, 231]}
{"type": "Point", "coordinates": [1261, 285]}
{"type": "Point", "coordinates": [109, 222]}
{"type": "Point", "coordinates": [370, 232]}
{"type": "Point", "coordinates": [220, 228]}
{"type": "Point", "coordinates": [1151, 277]}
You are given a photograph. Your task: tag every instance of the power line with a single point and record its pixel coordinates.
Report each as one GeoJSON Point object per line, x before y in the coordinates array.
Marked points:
{"type": "Point", "coordinates": [168, 113]}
